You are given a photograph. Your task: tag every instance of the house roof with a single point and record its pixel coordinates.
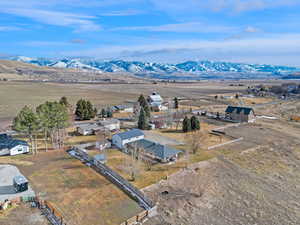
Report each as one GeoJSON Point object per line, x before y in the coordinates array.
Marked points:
{"type": "Point", "coordinates": [160, 151]}
{"type": "Point", "coordinates": [7, 142]}
{"type": "Point", "coordinates": [239, 110]}
{"type": "Point", "coordinates": [155, 97]}
{"type": "Point", "coordinates": [109, 122]}
{"type": "Point", "coordinates": [90, 126]}
{"type": "Point", "coordinates": [130, 134]}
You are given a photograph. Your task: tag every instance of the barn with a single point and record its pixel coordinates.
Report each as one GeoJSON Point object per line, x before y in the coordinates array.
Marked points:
{"type": "Point", "coordinates": [240, 114]}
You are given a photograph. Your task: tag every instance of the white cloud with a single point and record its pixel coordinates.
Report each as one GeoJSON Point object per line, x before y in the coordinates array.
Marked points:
{"type": "Point", "coordinates": [9, 28]}
{"type": "Point", "coordinates": [77, 21]}
{"type": "Point", "coordinates": [220, 5]}
{"type": "Point", "coordinates": [193, 27]}
{"type": "Point", "coordinates": [122, 13]}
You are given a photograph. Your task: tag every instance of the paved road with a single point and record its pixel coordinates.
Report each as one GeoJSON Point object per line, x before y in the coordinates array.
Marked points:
{"type": "Point", "coordinates": [7, 173]}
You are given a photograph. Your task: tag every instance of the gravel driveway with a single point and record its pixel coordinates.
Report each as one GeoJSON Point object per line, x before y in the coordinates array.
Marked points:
{"type": "Point", "coordinates": [7, 173]}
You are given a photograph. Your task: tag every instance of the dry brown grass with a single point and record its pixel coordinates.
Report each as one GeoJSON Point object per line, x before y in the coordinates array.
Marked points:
{"type": "Point", "coordinates": [79, 193]}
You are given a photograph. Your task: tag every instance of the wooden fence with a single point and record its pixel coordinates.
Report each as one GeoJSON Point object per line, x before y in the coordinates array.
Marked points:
{"type": "Point", "coordinates": [138, 218]}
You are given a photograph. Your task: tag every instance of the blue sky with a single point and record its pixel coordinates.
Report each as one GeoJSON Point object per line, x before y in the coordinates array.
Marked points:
{"type": "Point", "coordinates": [253, 31]}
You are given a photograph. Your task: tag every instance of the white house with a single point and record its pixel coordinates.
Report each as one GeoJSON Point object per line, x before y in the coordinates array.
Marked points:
{"type": "Point", "coordinates": [120, 140]}
{"type": "Point", "coordinates": [10, 146]}
{"type": "Point", "coordinates": [155, 101]}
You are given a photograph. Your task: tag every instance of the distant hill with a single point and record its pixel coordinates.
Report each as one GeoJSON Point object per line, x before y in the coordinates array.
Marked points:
{"type": "Point", "coordinates": [19, 70]}
{"type": "Point", "coordinates": [148, 67]}
{"type": "Point", "coordinates": [187, 70]}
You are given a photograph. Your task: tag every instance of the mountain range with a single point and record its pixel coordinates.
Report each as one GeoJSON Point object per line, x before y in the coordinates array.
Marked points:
{"type": "Point", "coordinates": [203, 69]}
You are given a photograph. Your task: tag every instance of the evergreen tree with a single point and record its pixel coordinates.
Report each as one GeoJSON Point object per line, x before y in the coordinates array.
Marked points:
{"type": "Point", "coordinates": [176, 104]}
{"type": "Point", "coordinates": [64, 101]}
{"type": "Point", "coordinates": [143, 122]}
{"type": "Point", "coordinates": [142, 101]}
{"type": "Point", "coordinates": [197, 125]}
{"type": "Point", "coordinates": [186, 125]}
{"type": "Point", "coordinates": [85, 110]}
{"type": "Point", "coordinates": [26, 122]}
{"type": "Point", "coordinates": [193, 123]}
{"type": "Point", "coordinates": [147, 110]}
{"type": "Point", "coordinates": [109, 114]}
{"type": "Point", "coordinates": [103, 113]}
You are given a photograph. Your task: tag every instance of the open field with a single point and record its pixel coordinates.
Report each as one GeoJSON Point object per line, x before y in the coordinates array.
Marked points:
{"type": "Point", "coordinates": [80, 194]}
{"type": "Point", "coordinates": [269, 151]}
{"type": "Point", "coordinates": [23, 215]}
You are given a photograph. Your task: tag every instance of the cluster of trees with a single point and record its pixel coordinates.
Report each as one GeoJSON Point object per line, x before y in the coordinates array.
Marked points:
{"type": "Point", "coordinates": [49, 119]}
{"type": "Point", "coordinates": [106, 113]}
{"type": "Point", "coordinates": [192, 124]}
{"type": "Point", "coordinates": [145, 114]}
{"type": "Point", "coordinates": [85, 110]}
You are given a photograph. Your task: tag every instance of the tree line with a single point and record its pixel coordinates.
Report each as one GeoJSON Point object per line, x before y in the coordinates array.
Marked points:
{"type": "Point", "coordinates": [49, 119]}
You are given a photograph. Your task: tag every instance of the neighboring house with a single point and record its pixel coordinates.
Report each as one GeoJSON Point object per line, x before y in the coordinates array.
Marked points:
{"type": "Point", "coordinates": [123, 108]}
{"type": "Point", "coordinates": [157, 151]}
{"type": "Point", "coordinates": [102, 145]}
{"type": "Point", "coordinates": [120, 140]}
{"type": "Point", "coordinates": [10, 146]}
{"type": "Point", "coordinates": [110, 124]}
{"type": "Point", "coordinates": [89, 128]}
{"type": "Point", "coordinates": [240, 114]}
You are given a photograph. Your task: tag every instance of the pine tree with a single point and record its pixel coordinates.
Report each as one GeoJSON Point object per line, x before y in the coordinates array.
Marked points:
{"type": "Point", "coordinates": [26, 122]}
{"type": "Point", "coordinates": [176, 104]}
{"type": "Point", "coordinates": [193, 123]}
{"type": "Point", "coordinates": [103, 113]}
{"type": "Point", "coordinates": [186, 125]}
{"type": "Point", "coordinates": [147, 110]}
{"type": "Point", "coordinates": [143, 122]}
{"type": "Point", "coordinates": [142, 101]}
{"type": "Point", "coordinates": [197, 125]}
{"type": "Point", "coordinates": [64, 101]}
{"type": "Point", "coordinates": [109, 114]}
{"type": "Point", "coordinates": [85, 110]}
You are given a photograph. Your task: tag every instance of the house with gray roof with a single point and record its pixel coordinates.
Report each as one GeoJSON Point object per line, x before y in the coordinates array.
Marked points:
{"type": "Point", "coordinates": [121, 139]}
{"type": "Point", "coordinates": [240, 114]}
{"type": "Point", "coordinates": [157, 151]}
{"type": "Point", "coordinates": [10, 146]}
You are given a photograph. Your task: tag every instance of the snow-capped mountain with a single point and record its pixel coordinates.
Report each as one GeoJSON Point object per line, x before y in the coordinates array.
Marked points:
{"type": "Point", "coordinates": [136, 67]}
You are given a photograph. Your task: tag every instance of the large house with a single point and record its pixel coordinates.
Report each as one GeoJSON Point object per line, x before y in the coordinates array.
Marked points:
{"type": "Point", "coordinates": [122, 139]}
{"type": "Point", "coordinates": [10, 146]}
{"type": "Point", "coordinates": [240, 114]}
{"type": "Point", "coordinates": [155, 101]}
{"type": "Point", "coordinates": [157, 151]}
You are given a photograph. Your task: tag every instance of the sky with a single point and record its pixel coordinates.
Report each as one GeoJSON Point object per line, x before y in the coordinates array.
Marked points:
{"type": "Point", "coordinates": [250, 31]}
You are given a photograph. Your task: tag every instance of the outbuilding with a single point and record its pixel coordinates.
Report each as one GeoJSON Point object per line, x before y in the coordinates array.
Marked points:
{"type": "Point", "coordinates": [240, 114]}
{"type": "Point", "coordinates": [20, 183]}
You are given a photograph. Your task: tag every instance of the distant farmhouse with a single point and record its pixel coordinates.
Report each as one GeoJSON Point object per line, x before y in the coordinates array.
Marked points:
{"type": "Point", "coordinates": [156, 102]}
{"type": "Point", "coordinates": [93, 128]}
{"type": "Point", "coordinates": [123, 108]}
{"type": "Point", "coordinates": [157, 151]}
{"type": "Point", "coordinates": [10, 146]}
{"type": "Point", "coordinates": [120, 140]}
{"type": "Point", "coordinates": [240, 114]}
